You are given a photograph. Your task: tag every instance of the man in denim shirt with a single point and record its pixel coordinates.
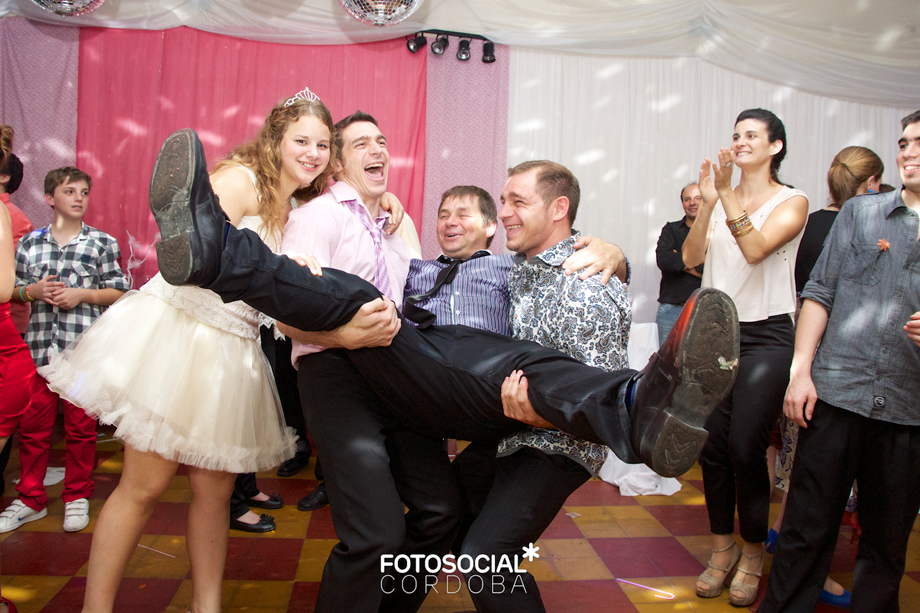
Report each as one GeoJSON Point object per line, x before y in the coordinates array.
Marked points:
{"type": "Point", "coordinates": [857, 399]}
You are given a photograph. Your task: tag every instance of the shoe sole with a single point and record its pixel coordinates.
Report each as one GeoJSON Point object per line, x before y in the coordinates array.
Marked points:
{"type": "Point", "coordinates": [170, 203]}
{"type": "Point", "coordinates": [707, 363]}
{"type": "Point", "coordinates": [40, 515]}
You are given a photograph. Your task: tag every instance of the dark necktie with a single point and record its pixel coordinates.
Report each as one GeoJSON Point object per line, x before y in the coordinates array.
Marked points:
{"type": "Point", "coordinates": [424, 317]}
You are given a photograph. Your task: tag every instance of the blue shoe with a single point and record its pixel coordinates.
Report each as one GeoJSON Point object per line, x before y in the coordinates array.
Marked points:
{"type": "Point", "coordinates": [841, 601]}
{"type": "Point", "coordinates": [770, 544]}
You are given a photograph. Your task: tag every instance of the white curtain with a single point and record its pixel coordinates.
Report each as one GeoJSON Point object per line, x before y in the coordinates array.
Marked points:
{"type": "Point", "coordinates": [634, 131]}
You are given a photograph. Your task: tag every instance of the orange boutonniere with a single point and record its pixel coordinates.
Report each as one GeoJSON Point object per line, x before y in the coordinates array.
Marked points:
{"type": "Point", "coordinates": [883, 245]}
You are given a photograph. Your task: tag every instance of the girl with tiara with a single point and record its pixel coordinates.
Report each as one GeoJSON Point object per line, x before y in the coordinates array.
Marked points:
{"type": "Point", "coordinates": [182, 375]}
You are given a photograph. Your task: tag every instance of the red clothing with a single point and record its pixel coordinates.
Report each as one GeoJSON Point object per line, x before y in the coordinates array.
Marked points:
{"type": "Point", "coordinates": [16, 372]}
{"type": "Point", "coordinates": [21, 226]}
{"type": "Point", "coordinates": [35, 441]}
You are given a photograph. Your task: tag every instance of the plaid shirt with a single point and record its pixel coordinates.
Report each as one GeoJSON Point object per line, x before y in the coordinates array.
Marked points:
{"type": "Point", "coordinates": [89, 261]}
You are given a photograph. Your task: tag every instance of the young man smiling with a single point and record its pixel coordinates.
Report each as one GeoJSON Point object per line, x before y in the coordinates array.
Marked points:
{"type": "Point", "coordinates": [853, 390]}
{"type": "Point", "coordinates": [363, 476]}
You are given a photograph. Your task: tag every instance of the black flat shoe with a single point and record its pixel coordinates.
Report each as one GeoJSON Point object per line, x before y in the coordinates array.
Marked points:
{"type": "Point", "coordinates": [684, 381]}
{"type": "Point", "coordinates": [291, 467]}
{"type": "Point", "coordinates": [274, 502]}
{"type": "Point", "coordinates": [316, 499]}
{"type": "Point", "coordinates": [266, 523]}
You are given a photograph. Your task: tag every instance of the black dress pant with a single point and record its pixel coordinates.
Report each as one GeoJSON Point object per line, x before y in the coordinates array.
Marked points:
{"type": "Point", "coordinates": [244, 488]}
{"type": "Point", "coordinates": [837, 447]}
{"type": "Point", "coordinates": [734, 457]}
{"type": "Point", "coordinates": [441, 381]}
{"type": "Point", "coordinates": [372, 467]}
{"type": "Point", "coordinates": [529, 489]}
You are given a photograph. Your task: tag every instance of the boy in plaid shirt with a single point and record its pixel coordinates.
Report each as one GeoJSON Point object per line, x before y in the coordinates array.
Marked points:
{"type": "Point", "coordinates": [69, 273]}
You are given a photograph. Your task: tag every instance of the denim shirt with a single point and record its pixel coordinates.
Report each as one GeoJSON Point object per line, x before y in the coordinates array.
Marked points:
{"type": "Point", "coordinates": [868, 278]}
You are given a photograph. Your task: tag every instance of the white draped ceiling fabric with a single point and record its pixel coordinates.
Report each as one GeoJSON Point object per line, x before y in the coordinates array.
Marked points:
{"type": "Point", "coordinates": [631, 95]}
{"type": "Point", "coordinates": [861, 50]}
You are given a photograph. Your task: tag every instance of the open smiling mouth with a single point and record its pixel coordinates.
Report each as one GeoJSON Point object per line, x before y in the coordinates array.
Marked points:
{"type": "Point", "coordinates": [375, 171]}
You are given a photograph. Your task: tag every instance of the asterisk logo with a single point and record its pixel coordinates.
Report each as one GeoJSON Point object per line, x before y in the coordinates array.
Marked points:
{"type": "Point", "coordinates": [530, 552]}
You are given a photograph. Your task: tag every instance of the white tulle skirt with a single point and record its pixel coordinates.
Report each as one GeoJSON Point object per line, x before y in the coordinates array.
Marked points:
{"type": "Point", "coordinates": [175, 386]}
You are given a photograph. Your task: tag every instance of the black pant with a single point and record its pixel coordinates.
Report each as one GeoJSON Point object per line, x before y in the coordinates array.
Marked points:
{"type": "Point", "coordinates": [244, 488]}
{"type": "Point", "coordinates": [529, 489]}
{"type": "Point", "coordinates": [734, 458]}
{"type": "Point", "coordinates": [837, 447]}
{"type": "Point", "coordinates": [372, 467]}
{"type": "Point", "coordinates": [443, 381]}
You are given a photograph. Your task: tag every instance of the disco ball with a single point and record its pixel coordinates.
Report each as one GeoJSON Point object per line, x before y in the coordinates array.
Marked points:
{"type": "Point", "coordinates": [379, 12]}
{"type": "Point", "coordinates": [69, 8]}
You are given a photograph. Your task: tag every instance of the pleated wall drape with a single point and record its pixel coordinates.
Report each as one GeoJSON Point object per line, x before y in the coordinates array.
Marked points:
{"type": "Point", "coordinates": [467, 133]}
{"type": "Point", "coordinates": [138, 86]}
{"type": "Point", "coordinates": [38, 97]}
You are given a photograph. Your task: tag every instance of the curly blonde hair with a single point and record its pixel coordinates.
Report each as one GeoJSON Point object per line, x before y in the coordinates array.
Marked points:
{"type": "Point", "coordinates": [263, 157]}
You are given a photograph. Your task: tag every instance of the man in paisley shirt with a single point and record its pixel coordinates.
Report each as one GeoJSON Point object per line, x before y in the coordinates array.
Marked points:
{"type": "Point", "coordinates": [537, 468]}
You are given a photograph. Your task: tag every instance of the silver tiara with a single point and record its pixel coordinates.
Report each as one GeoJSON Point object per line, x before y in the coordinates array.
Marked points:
{"type": "Point", "coordinates": [306, 94]}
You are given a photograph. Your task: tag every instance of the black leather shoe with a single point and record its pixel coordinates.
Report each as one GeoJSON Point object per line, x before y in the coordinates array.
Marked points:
{"type": "Point", "coordinates": [316, 499]}
{"type": "Point", "coordinates": [291, 467]}
{"type": "Point", "coordinates": [274, 502]}
{"type": "Point", "coordinates": [266, 523]}
{"type": "Point", "coordinates": [684, 381]}
{"type": "Point", "coordinates": [186, 210]}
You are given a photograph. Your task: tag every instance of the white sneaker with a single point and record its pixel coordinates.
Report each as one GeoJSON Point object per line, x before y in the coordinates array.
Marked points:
{"type": "Point", "coordinates": [17, 514]}
{"type": "Point", "coordinates": [76, 515]}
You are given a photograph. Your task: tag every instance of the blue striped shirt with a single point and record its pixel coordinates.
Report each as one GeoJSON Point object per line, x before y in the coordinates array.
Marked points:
{"type": "Point", "coordinates": [476, 297]}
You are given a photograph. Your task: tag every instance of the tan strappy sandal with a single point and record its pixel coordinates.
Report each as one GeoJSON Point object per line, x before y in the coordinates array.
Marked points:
{"type": "Point", "coordinates": [738, 584]}
{"type": "Point", "coordinates": [717, 584]}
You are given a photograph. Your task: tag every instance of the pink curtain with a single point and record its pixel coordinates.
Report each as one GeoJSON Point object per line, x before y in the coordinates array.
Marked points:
{"type": "Point", "coordinates": [138, 86]}
{"type": "Point", "coordinates": [467, 132]}
{"type": "Point", "coordinates": [38, 97]}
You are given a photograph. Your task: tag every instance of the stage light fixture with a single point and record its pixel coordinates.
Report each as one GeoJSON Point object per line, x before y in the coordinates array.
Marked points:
{"type": "Point", "coordinates": [440, 44]}
{"type": "Point", "coordinates": [488, 52]}
{"type": "Point", "coordinates": [414, 44]}
{"type": "Point", "coordinates": [463, 53]}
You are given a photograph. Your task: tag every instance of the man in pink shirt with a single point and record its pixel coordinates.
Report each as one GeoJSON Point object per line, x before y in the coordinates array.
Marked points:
{"type": "Point", "coordinates": [370, 467]}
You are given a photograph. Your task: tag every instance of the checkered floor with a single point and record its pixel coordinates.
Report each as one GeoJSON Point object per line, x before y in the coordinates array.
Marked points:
{"type": "Point", "coordinates": [599, 540]}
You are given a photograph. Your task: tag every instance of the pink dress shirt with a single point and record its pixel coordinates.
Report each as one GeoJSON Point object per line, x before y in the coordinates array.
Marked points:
{"type": "Point", "coordinates": [326, 229]}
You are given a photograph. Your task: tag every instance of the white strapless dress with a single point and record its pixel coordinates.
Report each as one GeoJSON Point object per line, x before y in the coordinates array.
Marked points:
{"type": "Point", "coordinates": [180, 374]}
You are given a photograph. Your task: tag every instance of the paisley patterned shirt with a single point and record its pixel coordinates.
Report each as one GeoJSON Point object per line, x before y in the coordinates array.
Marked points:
{"type": "Point", "coordinates": [584, 319]}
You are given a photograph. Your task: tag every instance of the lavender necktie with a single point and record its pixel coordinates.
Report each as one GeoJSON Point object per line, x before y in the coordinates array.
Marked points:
{"type": "Point", "coordinates": [381, 274]}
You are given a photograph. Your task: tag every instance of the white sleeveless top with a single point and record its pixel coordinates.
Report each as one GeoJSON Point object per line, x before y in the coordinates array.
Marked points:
{"type": "Point", "coordinates": [237, 318]}
{"type": "Point", "coordinates": [758, 290]}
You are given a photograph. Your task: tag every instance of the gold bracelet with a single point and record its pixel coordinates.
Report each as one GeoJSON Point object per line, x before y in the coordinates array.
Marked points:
{"type": "Point", "coordinates": [737, 223]}
{"type": "Point", "coordinates": [745, 229]}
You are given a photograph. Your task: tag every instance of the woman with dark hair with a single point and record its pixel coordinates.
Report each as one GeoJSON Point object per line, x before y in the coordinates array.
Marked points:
{"type": "Point", "coordinates": [149, 364]}
{"type": "Point", "coordinates": [749, 243]}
